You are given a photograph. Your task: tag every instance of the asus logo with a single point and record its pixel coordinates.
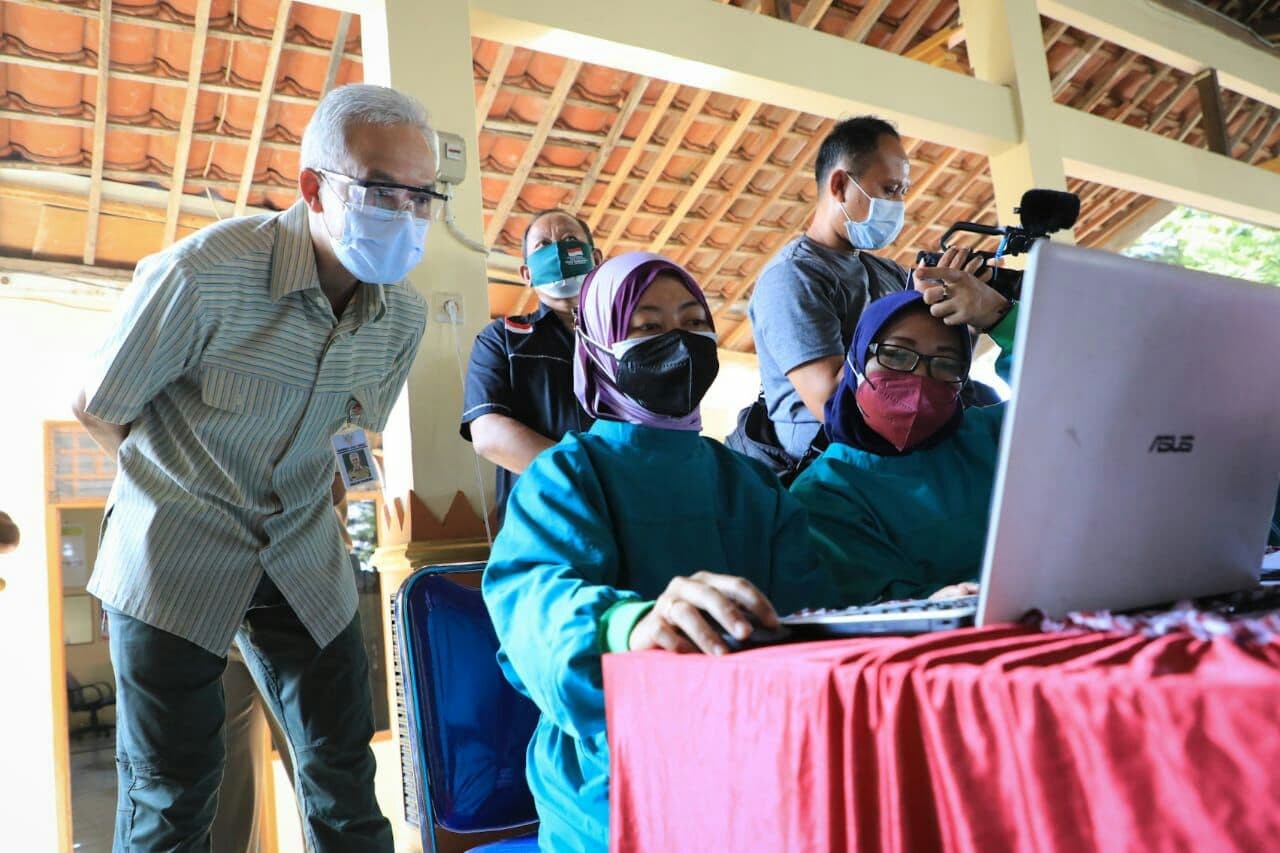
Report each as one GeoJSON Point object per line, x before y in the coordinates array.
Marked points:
{"type": "Point", "coordinates": [1172, 444]}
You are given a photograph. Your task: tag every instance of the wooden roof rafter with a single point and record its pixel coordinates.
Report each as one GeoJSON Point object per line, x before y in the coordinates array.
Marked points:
{"type": "Point", "coordinates": [98, 155]}
{"type": "Point", "coordinates": [629, 106]}
{"type": "Point", "coordinates": [801, 161]}
{"type": "Point", "coordinates": [336, 53]}
{"type": "Point", "coordinates": [634, 151]}
{"type": "Point", "coordinates": [264, 105]}
{"type": "Point", "coordinates": [555, 102]}
{"type": "Point", "coordinates": [182, 151]}
{"type": "Point", "coordinates": [493, 83]}
{"type": "Point", "coordinates": [124, 14]}
{"type": "Point", "coordinates": [641, 192]}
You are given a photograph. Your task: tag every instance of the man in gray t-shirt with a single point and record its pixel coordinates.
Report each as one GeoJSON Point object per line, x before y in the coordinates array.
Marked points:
{"type": "Point", "coordinates": [810, 295]}
{"type": "Point", "coordinates": [805, 305]}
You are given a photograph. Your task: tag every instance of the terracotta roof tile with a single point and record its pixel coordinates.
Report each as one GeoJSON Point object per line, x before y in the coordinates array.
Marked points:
{"type": "Point", "coordinates": [47, 89]}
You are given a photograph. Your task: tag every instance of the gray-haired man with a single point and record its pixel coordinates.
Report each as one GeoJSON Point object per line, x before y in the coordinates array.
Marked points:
{"type": "Point", "coordinates": [238, 354]}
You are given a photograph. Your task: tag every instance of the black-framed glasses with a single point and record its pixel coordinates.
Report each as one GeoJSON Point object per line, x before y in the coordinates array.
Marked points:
{"type": "Point", "coordinates": [389, 197]}
{"type": "Point", "coordinates": [944, 368]}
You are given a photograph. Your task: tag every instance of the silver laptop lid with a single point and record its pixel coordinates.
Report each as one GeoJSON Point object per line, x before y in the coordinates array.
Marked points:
{"type": "Point", "coordinates": [1141, 452]}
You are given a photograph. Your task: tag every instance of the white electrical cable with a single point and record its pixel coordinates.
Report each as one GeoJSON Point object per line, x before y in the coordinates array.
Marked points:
{"type": "Point", "coordinates": [451, 308]}
{"type": "Point", "coordinates": [451, 226]}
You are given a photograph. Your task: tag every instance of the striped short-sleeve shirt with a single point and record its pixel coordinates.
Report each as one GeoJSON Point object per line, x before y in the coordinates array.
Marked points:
{"type": "Point", "coordinates": [229, 365]}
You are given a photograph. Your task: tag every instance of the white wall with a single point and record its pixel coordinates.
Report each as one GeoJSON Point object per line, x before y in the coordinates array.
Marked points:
{"type": "Point", "coordinates": [736, 386]}
{"type": "Point", "coordinates": [41, 349]}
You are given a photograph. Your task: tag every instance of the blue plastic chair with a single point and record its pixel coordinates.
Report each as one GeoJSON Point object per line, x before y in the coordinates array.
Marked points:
{"type": "Point", "coordinates": [464, 729]}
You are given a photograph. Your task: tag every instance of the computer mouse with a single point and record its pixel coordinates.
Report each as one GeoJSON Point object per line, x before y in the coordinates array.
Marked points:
{"type": "Point", "coordinates": [759, 638]}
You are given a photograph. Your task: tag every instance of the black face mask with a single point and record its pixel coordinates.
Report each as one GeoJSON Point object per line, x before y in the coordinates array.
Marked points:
{"type": "Point", "coordinates": [670, 373]}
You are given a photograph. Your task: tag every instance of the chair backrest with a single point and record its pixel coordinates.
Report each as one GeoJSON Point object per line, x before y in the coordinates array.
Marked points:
{"type": "Point", "coordinates": [468, 729]}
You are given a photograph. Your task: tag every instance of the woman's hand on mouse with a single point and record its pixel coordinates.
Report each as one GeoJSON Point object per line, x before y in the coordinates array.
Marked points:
{"type": "Point", "coordinates": [677, 621]}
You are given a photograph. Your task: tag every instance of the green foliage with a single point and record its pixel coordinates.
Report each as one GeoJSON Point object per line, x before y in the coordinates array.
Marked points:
{"type": "Point", "coordinates": [1202, 241]}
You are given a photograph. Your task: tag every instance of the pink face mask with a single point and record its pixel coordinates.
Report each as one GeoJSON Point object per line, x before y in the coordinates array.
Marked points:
{"type": "Point", "coordinates": [905, 408]}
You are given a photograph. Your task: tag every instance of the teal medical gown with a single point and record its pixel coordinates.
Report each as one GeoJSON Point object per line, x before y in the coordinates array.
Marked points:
{"type": "Point", "coordinates": [906, 526]}
{"type": "Point", "coordinates": [606, 516]}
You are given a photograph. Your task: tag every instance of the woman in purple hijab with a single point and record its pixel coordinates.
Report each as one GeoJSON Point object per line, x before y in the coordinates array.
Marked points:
{"type": "Point", "coordinates": [638, 534]}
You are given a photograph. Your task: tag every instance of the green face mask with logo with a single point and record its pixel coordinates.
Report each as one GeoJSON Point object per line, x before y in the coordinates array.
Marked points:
{"type": "Point", "coordinates": [558, 269]}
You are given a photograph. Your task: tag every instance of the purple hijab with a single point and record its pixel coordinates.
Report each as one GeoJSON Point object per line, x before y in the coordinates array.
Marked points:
{"type": "Point", "coordinates": [608, 299]}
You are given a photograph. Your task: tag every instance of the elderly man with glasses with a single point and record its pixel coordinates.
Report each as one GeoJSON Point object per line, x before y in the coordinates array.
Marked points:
{"type": "Point", "coordinates": [237, 355]}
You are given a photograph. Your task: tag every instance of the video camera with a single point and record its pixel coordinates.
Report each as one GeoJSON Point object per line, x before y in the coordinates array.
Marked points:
{"type": "Point", "coordinates": [1042, 212]}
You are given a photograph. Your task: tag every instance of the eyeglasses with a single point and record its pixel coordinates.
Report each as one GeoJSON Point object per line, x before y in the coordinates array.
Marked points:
{"type": "Point", "coordinates": [422, 202]}
{"type": "Point", "coordinates": [941, 367]}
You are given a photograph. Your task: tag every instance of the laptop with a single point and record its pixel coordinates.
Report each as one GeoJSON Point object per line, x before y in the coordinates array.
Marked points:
{"type": "Point", "coordinates": [1140, 454]}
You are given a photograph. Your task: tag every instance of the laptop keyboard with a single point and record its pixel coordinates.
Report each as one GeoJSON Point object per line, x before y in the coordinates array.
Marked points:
{"type": "Point", "coordinates": [908, 616]}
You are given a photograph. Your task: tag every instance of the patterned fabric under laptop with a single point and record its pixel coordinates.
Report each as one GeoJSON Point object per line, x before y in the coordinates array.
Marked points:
{"type": "Point", "coordinates": [1251, 617]}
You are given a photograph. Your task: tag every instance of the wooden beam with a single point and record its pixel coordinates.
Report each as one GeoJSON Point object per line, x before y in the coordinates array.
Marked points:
{"type": "Point", "coordinates": [860, 27]}
{"type": "Point", "coordinates": [1256, 114]}
{"type": "Point", "coordinates": [737, 333]}
{"type": "Point", "coordinates": [493, 84]}
{"type": "Point", "coordinates": [1052, 33]}
{"type": "Point", "coordinates": [605, 149]}
{"type": "Point", "coordinates": [937, 41]}
{"type": "Point", "coordinates": [1180, 33]}
{"type": "Point", "coordinates": [1100, 89]}
{"type": "Point", "coordinates": [336, 52]}
{"type": "Point", "coordinates": [706, 172]}
{"type": "Point", "coordinates": [921, 185]}
{"type": "Point", "coordinates": [30, 192]}
{"type": "Point", "coordinates": [1084, 53]}
{"type": "Point", "coordinates": [809, 18]}
{"type": "Point", "coordinates": [920, 12]}
{"type": "Point", "coordinates": [731, 196]}
{"type": "Point", "coordinates": [555, 102]}
{"type": "Point", "coordinates": [813, 13]}
{"type": "Point", "coordinates": [264, 105]}
{"type": "Point", "coordinates": [656, 115]}
{"type": "Point", "coordinates": [1260, 140]}
{"type": "Point", "coordinates": [1192, 122]}
{"type": "Point", "coordinates": [182, 151]}
{"type": "Point", "coordinates": [1211, 113]}
{"type": "Point", "coordinates": [641, 192]}
{"type": "Point", "coordinates": [1122, 234]}
{"type": "Point", "coordinates": [1166, 106]}
{"type": "Point", "coordinates": [100, 110]}
{"type": "Point", "coordinates": [801, 162]}
{"type": "Point", "coordinates": [758, 58]}
{"type": "Point", "coordinates": [125, 127]}
{"type": "Point", "coordinates": [148, 20]}
{"type": "Point", "coordinates": [1143, 91]}
{"type": "Point", "coordinates": [1103, 151]}
{"type": "Point", "coordinates": [126, 176]}
{"type": "Point", "coordinates": [56, 269]}
{"type": "Point", "coordinates": [151, 79]}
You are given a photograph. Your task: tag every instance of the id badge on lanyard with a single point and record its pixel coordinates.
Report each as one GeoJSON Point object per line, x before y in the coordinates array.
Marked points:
{"type": "Point", "coordinates": [355, 462]}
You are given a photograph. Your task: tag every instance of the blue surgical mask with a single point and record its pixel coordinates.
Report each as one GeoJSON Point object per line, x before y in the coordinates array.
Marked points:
{"type": "Point", "coordinates": [380, 246]}
{"type": "Point", "coordinates": [884, 222]}
{"type": "Point", "coordinates": [558, 269]}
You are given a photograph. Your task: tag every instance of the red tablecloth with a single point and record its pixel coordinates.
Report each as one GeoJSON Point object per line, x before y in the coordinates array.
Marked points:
{"type": "Point", "coordinates": [981, 739]}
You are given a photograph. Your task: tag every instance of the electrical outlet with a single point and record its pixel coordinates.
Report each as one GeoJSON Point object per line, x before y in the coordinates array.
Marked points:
{"type": "Point", "coordinates": [440, 307]}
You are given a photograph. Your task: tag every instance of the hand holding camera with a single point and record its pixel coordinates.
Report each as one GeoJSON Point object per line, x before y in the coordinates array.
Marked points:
{"type": "Point", "coordinates": [956, 289]}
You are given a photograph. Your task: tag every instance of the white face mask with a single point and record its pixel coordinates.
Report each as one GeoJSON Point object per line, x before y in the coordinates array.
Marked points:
{"type": "Point", "coordinates": [881, 227]}
{"type": "Point", "coordinates": [380, 246]}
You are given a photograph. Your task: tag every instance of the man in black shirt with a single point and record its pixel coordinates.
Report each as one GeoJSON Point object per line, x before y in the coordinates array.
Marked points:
{"type": "Point", "coordinates": [519, 397]}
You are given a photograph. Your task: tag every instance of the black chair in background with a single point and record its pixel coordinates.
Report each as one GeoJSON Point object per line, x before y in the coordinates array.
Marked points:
{"type": "Point", "coordinates": [92, 698]}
